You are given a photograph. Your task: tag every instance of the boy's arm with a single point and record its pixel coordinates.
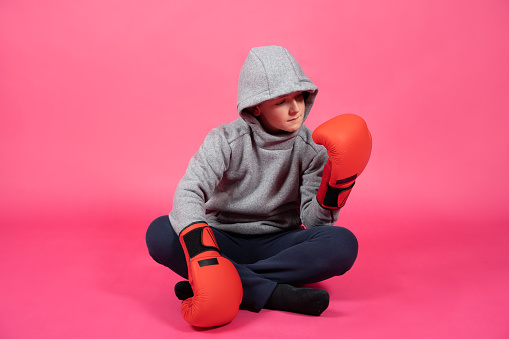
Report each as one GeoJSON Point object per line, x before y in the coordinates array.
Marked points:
{"type": "Point", "coordinates": [217, 289]}
{"type": "Point", "coordinates": [203, 174]}
{"type": "Point", "coordinates": [311, 212]}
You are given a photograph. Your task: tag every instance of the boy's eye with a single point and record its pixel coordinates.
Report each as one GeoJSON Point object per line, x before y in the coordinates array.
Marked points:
{"type": "Point", "coordinates": [281, 102]}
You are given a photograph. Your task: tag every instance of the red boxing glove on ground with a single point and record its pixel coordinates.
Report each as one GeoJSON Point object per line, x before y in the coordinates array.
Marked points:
{"type": "Point", "coordinates": [348, 143]}
{"type": "Point", "coordinates": [215, 281]}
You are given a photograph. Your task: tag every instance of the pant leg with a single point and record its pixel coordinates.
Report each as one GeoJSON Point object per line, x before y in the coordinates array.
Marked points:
{"type": "Point", "coordinates": [306, 256]}
{"type": "Point", "coordinates": [295, 257]}
{"type": "Point", "coordinates": [165, 248]}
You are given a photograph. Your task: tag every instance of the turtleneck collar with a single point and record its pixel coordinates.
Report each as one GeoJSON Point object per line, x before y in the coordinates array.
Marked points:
{"type": "Point", "coordinates": [268, 141]}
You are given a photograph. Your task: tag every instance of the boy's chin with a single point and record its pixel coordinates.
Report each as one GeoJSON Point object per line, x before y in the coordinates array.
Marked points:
{"type": "Point", "coordinates": [289, 130]}
{"type": "Point", "coordinates": [284, 130]}
{"type": "Point", "coordinates": [293, 128]}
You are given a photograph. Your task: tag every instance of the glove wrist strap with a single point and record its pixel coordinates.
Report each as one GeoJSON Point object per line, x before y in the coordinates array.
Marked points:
{"type": "Point", "coordinates": [336, 197]}
{"type": "Point", "coordinates": [198, 239]}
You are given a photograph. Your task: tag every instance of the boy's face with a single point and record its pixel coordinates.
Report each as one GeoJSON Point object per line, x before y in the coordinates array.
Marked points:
{"type": "Point", "coordinates": [283, 114]}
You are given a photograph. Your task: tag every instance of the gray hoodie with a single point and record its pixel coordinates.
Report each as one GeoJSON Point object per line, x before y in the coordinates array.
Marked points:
{"type": "Point", "coordinates": [245, 180]}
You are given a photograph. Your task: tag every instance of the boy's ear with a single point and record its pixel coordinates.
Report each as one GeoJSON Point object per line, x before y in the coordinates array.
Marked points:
{"type": "Point", "coordinates": [255, 111]}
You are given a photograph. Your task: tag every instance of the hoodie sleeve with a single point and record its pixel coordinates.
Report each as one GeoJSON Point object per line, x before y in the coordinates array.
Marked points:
{"type": "Point", "coordinates": [312, 213]}
{"type": "Point", "coordinates": [204, 172]}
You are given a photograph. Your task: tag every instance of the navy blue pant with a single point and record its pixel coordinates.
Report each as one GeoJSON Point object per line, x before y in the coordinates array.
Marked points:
{"type": "Point", "coordinates": [297, 257]}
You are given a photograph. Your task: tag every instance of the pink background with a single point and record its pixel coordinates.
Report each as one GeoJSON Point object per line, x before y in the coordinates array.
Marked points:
{"type": "Point", "coordinates": [103, 102]}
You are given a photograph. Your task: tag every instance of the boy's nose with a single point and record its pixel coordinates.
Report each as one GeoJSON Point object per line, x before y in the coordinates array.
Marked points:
{"type": "Point", "coordinates": [294, 107]}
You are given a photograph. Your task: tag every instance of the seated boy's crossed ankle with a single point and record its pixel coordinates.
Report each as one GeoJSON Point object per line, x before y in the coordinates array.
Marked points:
{"type": "Point", "coordinates": [285, 297]}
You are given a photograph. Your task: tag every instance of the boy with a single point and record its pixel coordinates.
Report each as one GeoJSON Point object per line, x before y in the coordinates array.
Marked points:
{"type": "Point", "coordinates": [235, 228]}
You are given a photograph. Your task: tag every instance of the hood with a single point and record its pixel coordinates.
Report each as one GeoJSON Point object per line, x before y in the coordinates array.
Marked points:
{"type": "Point", "coordinates": [269, 72]}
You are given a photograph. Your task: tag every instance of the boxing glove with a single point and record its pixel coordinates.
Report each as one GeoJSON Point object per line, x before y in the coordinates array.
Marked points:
{"type": "Point", "coordinates": [215, 282]}
{"type": "Point", "coordinates": [348, 143]}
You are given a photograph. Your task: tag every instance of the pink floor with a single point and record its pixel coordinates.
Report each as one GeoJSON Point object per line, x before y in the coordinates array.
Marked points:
{"type": "Point", "coordinates": [103, 102]}
{"type": "Point", "coordinates": [87, 275]}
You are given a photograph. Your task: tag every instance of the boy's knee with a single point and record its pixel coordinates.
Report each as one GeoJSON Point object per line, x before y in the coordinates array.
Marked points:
{"type": "Point", "coordinates": [157, 236]}
{"type": "Point", "coordinates": [345, 249]}
{"type": "Point", "coordinates": [350, 248]}
{"type": "Point", "coordinates": [348, 239]}
{"type": "Point", "coordinates": [164, 246]}
{"type": "Point", "coordinates": [155, 229]}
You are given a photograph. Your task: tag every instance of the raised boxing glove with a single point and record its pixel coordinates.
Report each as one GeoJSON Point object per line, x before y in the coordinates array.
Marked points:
{"type": "Point", "coordinates": [348, 143]}
{"type": "Point", "coordinates": [215, 281]}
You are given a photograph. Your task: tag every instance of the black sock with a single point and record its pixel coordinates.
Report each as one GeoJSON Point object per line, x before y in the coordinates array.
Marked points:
{"type": "Point", "coordinates": [311, 301]}
{"type": "Point", "coordinates": [183, 290]}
